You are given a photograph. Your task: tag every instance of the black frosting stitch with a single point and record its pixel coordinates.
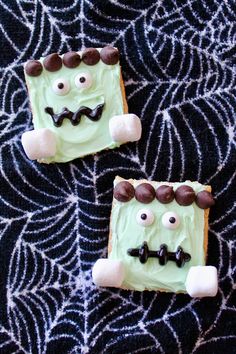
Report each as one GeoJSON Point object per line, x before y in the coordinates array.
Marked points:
{"type": "Point", "coordinates": [75, 118]}
{"type": "Point", "coordinates": [143, 253]}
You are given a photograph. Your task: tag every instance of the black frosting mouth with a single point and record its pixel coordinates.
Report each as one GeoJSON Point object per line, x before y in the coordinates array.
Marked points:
{"type": "Point", "coordinates": [75, 117]}
{"type": "Point", "coordinates": [143, 253]}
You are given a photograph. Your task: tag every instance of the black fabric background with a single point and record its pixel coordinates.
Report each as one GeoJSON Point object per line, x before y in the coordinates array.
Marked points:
{"type": "Point", "coordinates": [178, 60]}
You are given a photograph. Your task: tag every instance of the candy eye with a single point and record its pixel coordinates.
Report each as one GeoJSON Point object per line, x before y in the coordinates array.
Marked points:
{"type": "Point", "coordinates": [61, 87]}
{"type": "Point", "coordinates": [145, 217]}
{"type": "Point", "coordinates": [170, 220]}
{"type": "Point", "coordinates": [83, 80]}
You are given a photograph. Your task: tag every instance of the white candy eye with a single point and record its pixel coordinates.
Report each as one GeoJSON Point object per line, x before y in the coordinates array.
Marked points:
{"type": "Point", "coordinates": [61, 87]}
{"type": "Point", "coordinates": [145, 217]}
{"type": "Point", "coordinates": [170, 220]}
{"type": "Point", "coordinates": [83, 80]}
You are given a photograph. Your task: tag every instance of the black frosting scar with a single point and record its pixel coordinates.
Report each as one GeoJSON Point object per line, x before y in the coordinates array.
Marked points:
{"type": "Point", "coordinates": [75, 117]}
{"type": "Point", "coordinates": [143, 253]}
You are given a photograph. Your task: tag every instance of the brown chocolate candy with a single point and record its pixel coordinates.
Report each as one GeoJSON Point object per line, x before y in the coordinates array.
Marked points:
{"type": "Point", "coordinates": [71, 59]}
{"type": "Point", "coordinates": [33, 68]}
{"type": "Point", "coordinates": [52, 62]}
{"type": "Point", "coordinates": [204, 200]}
{"type": "Point", "coordinates": [165, 194]}
{"type": "Point", "coordinates": [185, 195]}
{"type": "Point", "coordinates": [145, 193]}
{"type": "Point", "coordinates": [109, 55]}
{"type": "Point", "coordinates": [124, 191]}
{"type": "Point", "coordinates": [90, 56]}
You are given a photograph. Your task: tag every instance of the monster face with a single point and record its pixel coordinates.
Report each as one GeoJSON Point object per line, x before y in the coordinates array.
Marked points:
{"type": "Point", "coordinates": [75, 96]}
{"type": "Point", "coordinates": [158, 231]}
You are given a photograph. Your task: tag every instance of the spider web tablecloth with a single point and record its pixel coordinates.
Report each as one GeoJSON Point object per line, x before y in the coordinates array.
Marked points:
{"type": "Point", "coordinates": [179, 66]}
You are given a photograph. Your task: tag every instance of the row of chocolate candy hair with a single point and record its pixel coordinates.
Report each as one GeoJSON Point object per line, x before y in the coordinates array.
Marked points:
{"type": "Point", "coordinates": [90, 56]}
{"type": "Point", "coordinates": [145, 193]}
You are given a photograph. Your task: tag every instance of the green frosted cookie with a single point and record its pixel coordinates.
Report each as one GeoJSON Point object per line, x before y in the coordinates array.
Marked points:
{"type": "Point", "coordinates": [78, 105]}
{"type": "Point", "coordinates": [158, 238]}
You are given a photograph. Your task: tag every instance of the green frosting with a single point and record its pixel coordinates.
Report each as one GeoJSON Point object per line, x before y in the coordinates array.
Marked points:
{"type": "Point", "coordinates": [88, 137]}
{"type": "Point", "coordinates": [127, 233]}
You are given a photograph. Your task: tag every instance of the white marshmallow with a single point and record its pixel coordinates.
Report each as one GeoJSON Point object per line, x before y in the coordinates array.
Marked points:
{"type": "Point", "coordinates": [107, 272]}
{"type": "Point", "coordinates": [202, 281]}
{"type": "Point", "coordinates": [124, 128]}
{"type": "Point", "coordinates": [39, 144]}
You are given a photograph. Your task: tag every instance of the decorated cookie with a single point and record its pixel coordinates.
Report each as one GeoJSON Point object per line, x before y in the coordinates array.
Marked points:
{"type": "Point", "coordinates": [78, 104]}
{"type": "Point", "coordinates": [158, 239]}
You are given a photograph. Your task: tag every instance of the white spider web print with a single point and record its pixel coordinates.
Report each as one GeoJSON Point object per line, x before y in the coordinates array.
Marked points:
{"type": "Point", "coordinates": [179, 66]}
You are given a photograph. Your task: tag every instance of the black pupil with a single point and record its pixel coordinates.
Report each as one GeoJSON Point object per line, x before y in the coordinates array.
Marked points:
{"type": "Point", "coordinates": [82, 79]}
{"type": "Point", "coordinates": [172, 220]}
{"type": "Point", "coordinates": [143, 216]}
{"type": "Point", "coordinates": [60, 85]}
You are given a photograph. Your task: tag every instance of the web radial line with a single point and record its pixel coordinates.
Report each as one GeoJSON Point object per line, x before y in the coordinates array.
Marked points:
{"type": "Point", "coordinates": [229, 182]}
{"type": "Point", "coordinates": [40, 174]}
{"type": "Point", "coordinates": [226, 213]}
{"type": "Point", "coordinates": [199, 153]}
{"type": "Point", "coordinates": [151, 128]}
{"type": "Point", "coordinates": [22, 177]}
{"type": "Point", "coordinates": [171, 152]}
{"type": "Point", "coordinates": [163, 127]}
{"type": "Point", "coordinates": [180, 351]}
